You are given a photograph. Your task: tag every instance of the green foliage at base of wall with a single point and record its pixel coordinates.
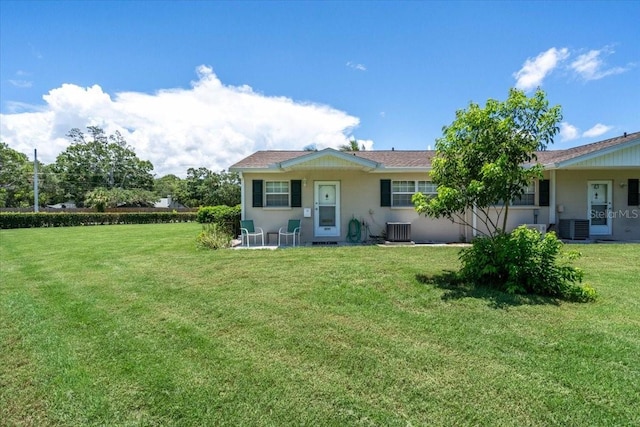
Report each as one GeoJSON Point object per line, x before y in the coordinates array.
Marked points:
{"type": "Point", "coordinates": [227, 217]}
{"type": "Point", "coordinates": [67, 219]}
{"type": "Point", "coordinates": [525, 262]}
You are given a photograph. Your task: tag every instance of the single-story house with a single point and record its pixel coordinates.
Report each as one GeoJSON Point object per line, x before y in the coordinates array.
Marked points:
{"type": "Point", "coordinates": [588, 192]}
{"type": "Point", "coordinates": [168, 203]}
{"type": "Point", "coordinates": [69, 204]}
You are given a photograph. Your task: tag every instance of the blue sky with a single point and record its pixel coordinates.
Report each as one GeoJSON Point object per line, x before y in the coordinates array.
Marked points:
{"type": "Point", "coordinates": [194, 84]}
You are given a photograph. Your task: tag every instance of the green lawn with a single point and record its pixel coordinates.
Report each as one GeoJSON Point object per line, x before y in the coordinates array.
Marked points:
{"type": "Point", "coordinates": [131, 325]}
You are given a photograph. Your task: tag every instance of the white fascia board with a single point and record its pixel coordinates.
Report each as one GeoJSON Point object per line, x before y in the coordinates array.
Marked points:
{"type": "Point", "coordinates": [401, 170]}
{"type": "Point", "coordinates": [257, 170]}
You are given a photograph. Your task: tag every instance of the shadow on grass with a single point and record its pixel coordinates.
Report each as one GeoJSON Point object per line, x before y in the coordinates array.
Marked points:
{"type": "Point", "coordinates": [455, 288]}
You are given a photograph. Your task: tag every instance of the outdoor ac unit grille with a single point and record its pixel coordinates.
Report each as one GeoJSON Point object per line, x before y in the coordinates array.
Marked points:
{"type": "Point", "coordinates": [574, 229]}
{"type": "Point", "coordinates": [399, 232]}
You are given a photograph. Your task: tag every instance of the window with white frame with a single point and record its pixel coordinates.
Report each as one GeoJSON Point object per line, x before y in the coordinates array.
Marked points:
{"type": "Point", "coordinates": [403, 191]}
{"type": "Point", "coordinates": [528, 198]}
{"type": "Point", "coordinates": [276, 193]}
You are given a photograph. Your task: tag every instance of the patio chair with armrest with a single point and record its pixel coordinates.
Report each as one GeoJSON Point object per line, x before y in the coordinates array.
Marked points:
{"type": "Point", "coordinates": [247, 230]}
{"type": "Point", "coordinates": [292, 229]}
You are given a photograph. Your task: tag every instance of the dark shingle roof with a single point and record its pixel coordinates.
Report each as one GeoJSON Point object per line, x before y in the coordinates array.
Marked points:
{"type": "Point", "coordinates": [557, 156]}
{"type": "Point", "coordinates": [399, 159]}
{"type": "Point", "coordinates": [422, 158]}
{"type": "Point", "coordinates": [393, 159]}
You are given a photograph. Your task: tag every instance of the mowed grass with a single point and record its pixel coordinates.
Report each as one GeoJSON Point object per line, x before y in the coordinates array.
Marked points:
{"type": "Point", "coordinates": [132, 325]}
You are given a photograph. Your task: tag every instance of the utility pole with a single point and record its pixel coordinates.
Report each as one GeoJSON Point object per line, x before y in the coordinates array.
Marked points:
{"type": "Point", "coordinates": [36, 206]}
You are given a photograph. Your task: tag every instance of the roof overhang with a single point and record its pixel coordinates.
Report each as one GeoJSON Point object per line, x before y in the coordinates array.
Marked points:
{"type": "Point", "coordinates": [328, 159]}
{"type": "Point", "coordinates": [621, 156]}
{"type": "Point", "coordinates": [398, 169]}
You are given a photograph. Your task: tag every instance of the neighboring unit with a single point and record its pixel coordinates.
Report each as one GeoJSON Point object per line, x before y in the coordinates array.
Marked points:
{"type": "Point", "coordinates": [595, 183]}
{"type": "Point", "coordinates": [168, 203]}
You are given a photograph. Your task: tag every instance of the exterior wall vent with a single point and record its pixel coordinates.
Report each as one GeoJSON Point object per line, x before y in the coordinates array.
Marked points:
{"type": "Point", "coordinates": [574, 229]}
{"type": "Point", "coordinates": [399, 231]}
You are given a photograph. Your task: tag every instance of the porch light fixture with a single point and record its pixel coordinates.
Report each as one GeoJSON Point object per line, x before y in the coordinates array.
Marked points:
{"type": "Point", "coordinates": [622, 184]}
{"type": "Point", "coordinates": [304, 182]}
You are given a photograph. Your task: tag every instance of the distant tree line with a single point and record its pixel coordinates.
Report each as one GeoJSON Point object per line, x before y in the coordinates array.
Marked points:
{"type": "Point", "coordinates": [99, 170]}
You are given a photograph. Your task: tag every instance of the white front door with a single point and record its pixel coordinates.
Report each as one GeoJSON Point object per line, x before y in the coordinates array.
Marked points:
{"type": "Point", "coordinates": [327, 208]}
{"type": "Point", "coordinates": [599, 193]}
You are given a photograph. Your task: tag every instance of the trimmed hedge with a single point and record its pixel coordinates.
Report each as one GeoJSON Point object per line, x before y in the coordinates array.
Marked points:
{"type": "Point", "coordinates": [66, 219]}
{"type": "Point", "coordinates": [227, 217]}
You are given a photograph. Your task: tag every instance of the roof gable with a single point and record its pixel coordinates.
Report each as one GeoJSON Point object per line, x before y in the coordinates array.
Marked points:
{"type": "Point", "coordinates": [621, 156]}
{"type": "Point", "coordinates": [622, 151]}
{"type": "Point", "coordinates": [328, 159]}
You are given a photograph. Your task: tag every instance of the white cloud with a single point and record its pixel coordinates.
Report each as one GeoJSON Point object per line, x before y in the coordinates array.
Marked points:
{"type": "Point", "coordinates": [568, 132]}
{"type": "Point", "coordinates": [356, 66]}
{"type": "Point", "coordinates": [597, 130]}
{"type": "Point", "coordinates": [21, 83]}
{"type": "Point", "coordinates": [367, 144]}
{"type": "Point", "coordinates": [590, 65]}
{"type": "Point", "coordinates": [535, 70]}
{"type": "Point", "coordinates": [210, 124]}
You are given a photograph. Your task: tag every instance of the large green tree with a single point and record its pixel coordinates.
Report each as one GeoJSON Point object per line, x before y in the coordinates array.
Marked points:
{"type": "Point", "coordinates": [203, 187]}
{"type": "Point", "coordinates": [97, 161]}
{"type": "Point", "coordinates": [168, 185]}
{"type": "Point", "coordinates": [486, 158]}
{"type": "Point", "coordinates": [50, 187]}
{"type": "Point", "coordinates": [16, 178]}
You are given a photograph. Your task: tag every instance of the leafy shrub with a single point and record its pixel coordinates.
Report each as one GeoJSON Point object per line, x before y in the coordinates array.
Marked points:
{"type": "Point", "coordinates": [525, 262]}
{"type": "Point", "coordinates": [227, 217]}
{"type": "Point", "coordinates": [213, 236]}
{"type": "Point", "coordinates": [584, 293]}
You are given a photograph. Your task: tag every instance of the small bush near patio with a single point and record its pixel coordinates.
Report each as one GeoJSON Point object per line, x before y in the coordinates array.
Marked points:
{"type": "Point", "coordinates": [213, 236]}
{"type": "Point", "coordinates": [524, 262]}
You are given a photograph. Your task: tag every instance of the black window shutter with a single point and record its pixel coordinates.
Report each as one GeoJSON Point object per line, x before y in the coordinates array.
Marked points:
{"type": "Point", "coordinates": [544, 192]}
{"type": "Point", "coordinates": [257, 193]}
{"type": "Point", "coordinates": [296, 193]}
{"type": "Point", "coordinates": [633, 196]}
{"type": "Point", "coordinates": [385, 192]}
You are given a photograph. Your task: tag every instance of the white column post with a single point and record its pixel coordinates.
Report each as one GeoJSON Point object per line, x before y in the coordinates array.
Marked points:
{"type": "Point", "coordinates": [552, 196]}
{"type": "Point", "coordinates": [242, 196]}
